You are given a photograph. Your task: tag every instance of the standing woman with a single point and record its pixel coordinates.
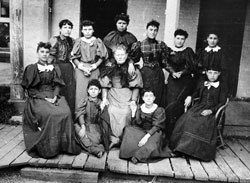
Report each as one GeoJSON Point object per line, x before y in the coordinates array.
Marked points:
{"type": "Point", "coordinates": [154, 54]}
{"type": "Point", "coordinates": [180, 81]}
{"type": "Point", "coordinates": [47, 122]}
{"type": "Point", "coordinates": [60, 54]}
{"type": "Point", "coordinates": [118, 37]}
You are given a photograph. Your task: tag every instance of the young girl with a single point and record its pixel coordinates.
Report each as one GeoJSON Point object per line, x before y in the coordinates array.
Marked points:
{"type": "Point", "coordinates": [195, 132]}
{"type": "Point", "coordinates": [88, 128]}
{"type": "Point", "coordinates": [143, 140]}
{"type": "Point", "coordinates": [60, 53]}
{"type": "Point", "coordinates": [87, 54]}
{"type": "Point", "coordinates": [47, 122]}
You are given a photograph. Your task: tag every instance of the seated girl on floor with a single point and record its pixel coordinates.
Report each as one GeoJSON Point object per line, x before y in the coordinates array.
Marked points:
{"type": "Point", "coordinates": [87, 116]}
{"type": "Point", "coordinates": [143, 140]}
{"type": "Point", "coordinates": [195, 131]}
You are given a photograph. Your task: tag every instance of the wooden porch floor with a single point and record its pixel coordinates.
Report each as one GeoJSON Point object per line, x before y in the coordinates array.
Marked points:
{"type": "Point", "coordinates": [232, 164]}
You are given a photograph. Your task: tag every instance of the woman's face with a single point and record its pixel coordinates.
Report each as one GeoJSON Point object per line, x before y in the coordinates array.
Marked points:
{"type": "Point", "coordinates": [120, 56]}
{"type": "Point", "coordinates": [121, 25]}
{"type": "Point", "coordinates": [212, 40]}
{"type": "Point", "coordinates": [87, 31]}
{"type": "Point", "coordinates": [148, 98]}
{"type": "Point", "coordinates": [212, 75]}
{"type": "Point", "coordinates": [179, 41]}
{"type": "Point", "coordinates": [93, 91]}
{"type": "Point", "coordinates": [152, 32]}
{"type": "Point", "coordinates": [43, 54]}
{"type": "Point", "coordinates": [65, 30]}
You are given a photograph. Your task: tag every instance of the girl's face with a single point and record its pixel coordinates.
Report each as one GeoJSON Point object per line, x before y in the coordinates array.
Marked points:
{"type": "Point", "coordinates": [212, 75]}
{"type": "Point", "coordinates": [121, 25]}
{"type": "Point", "coordinates": [212, 40]}
{"type": "Point", "coordinates": [148, 98]}
{"type": "Point", "coordinates": [179, 41]}
{"type": "Point", "coordinates": [87, 31]}
{"type": "Point", "coordinates": [93, 91]}
{"type": "Point", "coordinates": [120, 56]}
{"type": "Point", "coordinates": [152, 32]}
{"type": "Point", "coordinates": [65, 30]}
{"type": "Point", "coordinates": [43, 54]}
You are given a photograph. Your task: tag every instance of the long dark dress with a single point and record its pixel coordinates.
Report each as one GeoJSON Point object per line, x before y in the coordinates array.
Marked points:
{"type": "Point", "coordinates": [91, 111]}
{"type": "Point", "coordinates": [60, 51]}
{"type": "Point", "coordinates": [154, 54]}
{"type": "Point", "coordinates": [145, 122]}
{"type": "Point", "coordinates": [178, 88]}
{"type": "Point", "coordinates": [54, 120]}
{"type": "Point", "coordinates": [194, 134]}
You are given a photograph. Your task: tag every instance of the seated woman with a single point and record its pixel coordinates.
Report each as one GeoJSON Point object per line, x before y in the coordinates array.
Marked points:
{"type": "Point", "coordinates": [87, 116]}
{"type": "Point", "coordinates": [47, 123]}
{"type": "Point", "coordinates": [143, 140]}
{"type": "Point", "coordinates": [195, 132]}
{"type": "Point", "coordinates": [120, 91]}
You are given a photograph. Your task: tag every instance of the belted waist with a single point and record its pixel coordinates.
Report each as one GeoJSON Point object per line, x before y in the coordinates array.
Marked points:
{"type": "Point", "coordinates": [45, 88]}
{"type": "Point", "coordinates": [151, 64]}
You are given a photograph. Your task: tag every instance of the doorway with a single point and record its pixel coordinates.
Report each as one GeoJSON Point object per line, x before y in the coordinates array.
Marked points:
{"type": "Point", "coordinates": [102, 12]}
{"type": "Point", "coordinates": [228, 18]}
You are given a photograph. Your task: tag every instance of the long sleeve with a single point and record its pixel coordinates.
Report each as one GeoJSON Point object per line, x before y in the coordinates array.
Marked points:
{"type": "Point", "coordinates": [221, 99]}
{"type": "Point", "coordinates": [164, 54]}
{"type": "Point", "coordinates": [135, 52]}
{"type": "Point", "coordinates": [158, 122]}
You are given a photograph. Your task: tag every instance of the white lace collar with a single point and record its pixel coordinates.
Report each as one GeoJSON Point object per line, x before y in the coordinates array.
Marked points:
{"type": "Point", "coordinates": [178, 49]}
{"type": "Point", "coordinates": [215, 49]}
{"type": "Point", "coordinates": [45, 68]}
{"type": "Point", "coordinates": [148, 110]}
{"type": "Point", "coordinates": [89, 41]}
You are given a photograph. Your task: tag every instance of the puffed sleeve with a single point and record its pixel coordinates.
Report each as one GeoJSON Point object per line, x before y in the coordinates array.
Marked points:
{"type": "Point", "coordinates": [167, 65]}
{"type": "Point", "coordinates": [58, 76]}
{"type": "Point", "coordinates": [101, 49]}
{"type": "Point", "coordinates": [53, 50]}
{"type": "Point", "coordinates": [81, 108]}
{"type": "Point", "coordinates": [76, 51]}
{"type": "Point", "coordinates": [158, 122]}
{"type": "Point", "coordinates": [190, 61]}
{"type": "Point", "coordinates": [164, 54]}
{"type": "Point", "coordinates": [136, 80]}
{"type": "Point", "coordinates": [135, 52]}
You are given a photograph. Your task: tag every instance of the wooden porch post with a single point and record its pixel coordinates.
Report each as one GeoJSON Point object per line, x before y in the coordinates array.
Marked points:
{"type": "Point", "coordinates": [16, 52]}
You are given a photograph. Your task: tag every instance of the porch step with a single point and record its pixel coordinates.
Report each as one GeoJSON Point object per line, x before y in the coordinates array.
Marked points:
{"type": "Point", "coordinates": [59, 175]}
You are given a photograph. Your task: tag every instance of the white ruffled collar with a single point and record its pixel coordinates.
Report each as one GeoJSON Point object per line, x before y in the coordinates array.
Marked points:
{"type": "Point", "coordinates": [45, 68]}
{"type": "Point", "coordinates": [89, 41]}
{"type": "Point", "coordinates": [178, 49]}
{"type": "Point", "coordinates": [148, 110]}
{"type": "Point", "coordinates": [215, 49]}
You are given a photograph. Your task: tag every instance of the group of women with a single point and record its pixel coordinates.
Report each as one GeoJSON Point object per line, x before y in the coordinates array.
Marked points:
{"type": "Point", "coordinates": [137, 110]}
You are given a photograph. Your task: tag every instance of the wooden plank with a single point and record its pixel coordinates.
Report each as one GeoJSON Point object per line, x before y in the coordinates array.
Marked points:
{"type": "Point", "coordinates": [12, 155]}
{"type": "Point", "coordinates": [2, 126]}
{"type": "Point", "coordinates": [96, 164]}
{"type": "Point", "coordinates": [11, 135]}
{"type": "Point", "coordinates": [198, 170]}
{"type": "Point", "coordinates": [53, 162]}
{"type": "Point", "coordinates": [6, 130]}
{"type": "Point", "coordinates": [115, 164]}
{"type": "Point", "coordinates": [66, 161]}
{"type": "Point", "coordinates": [181, 168]}
{"type": "Point", "coordinates": [245, 144]}
{"type": "Point", "coordinates": [8, 147]}
{"type": "Point", "coordinates": [41, 162]}
{"type": "Point", "coordinates": [235, 164]}
{"type": "Point", "coordinates": [23, 159]}
{"type": "Point", "coordinates": [231, 176]}
{"type": "Point", "coordinates": [214, 172]}
{"type": "Point", "coordinates": [161, 168]}
{"type": "Point", "coordinates": [80, 160]}
{"type": "Point", "coordinates": [59, 175]}
{"type": "Point", "coordinates": [138, 169]}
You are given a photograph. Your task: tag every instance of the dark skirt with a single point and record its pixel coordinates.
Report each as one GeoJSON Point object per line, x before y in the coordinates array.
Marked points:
{"type": "Point", "coordinates": [154, 78]}
{"type": "Point", "coordinates": [57, 130]}
{"type": "Point", "coordinates": [69, 90]}
{"type": "Point", "coordinates": [152, 150]}
{"type": "Point", "coordinates": [195, 135]}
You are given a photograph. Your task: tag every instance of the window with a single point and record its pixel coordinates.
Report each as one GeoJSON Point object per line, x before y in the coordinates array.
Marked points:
{"type": "Point", "coordinates": [4, 31]}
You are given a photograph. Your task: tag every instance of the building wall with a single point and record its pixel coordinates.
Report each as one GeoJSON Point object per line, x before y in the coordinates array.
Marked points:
{"type": "Point", "coordinates": [141, 12]}
{"type": "Point", "coordinates": [244, 81]}
{"type": "Point", "coordinates": [188, 20]}
{"type": "Point", "coordinates": [65, 9]}
{"type": "Point", "coordinates": [35, 28]}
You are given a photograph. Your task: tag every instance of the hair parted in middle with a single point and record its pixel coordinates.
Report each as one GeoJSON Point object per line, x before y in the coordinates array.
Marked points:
{"type": "Point", "coordinates": [87, 23]}
{"type": "Point", "coordinates": [181, 32]}
{"type": "Point", "coordinates": [123, 17]}
{"type": "Point", "coordinates": [153, 23]}
{"type": "Point", "coordinates": [45, 45]}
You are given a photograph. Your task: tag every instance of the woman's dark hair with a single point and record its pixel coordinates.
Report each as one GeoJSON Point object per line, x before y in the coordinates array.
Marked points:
{"type": "Point", "coordinates": [153, 23]}
{"type": "Point", "coordinates": [123, 17]}
{"type": "Point", "coordinates": [65, 22]}
{"type": "Point", "coordinates": [94, 82]}
{"type": "Point", "coordinates": [148, 89]}
{"type": "Point", "coordinates": [213, 31]}
{"type": "Point", "coordinates": [181, 32]}
{"type": "Point", "coordinates": [87, 23]}
{"type": "Point", "coordinates": [46, 45]}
